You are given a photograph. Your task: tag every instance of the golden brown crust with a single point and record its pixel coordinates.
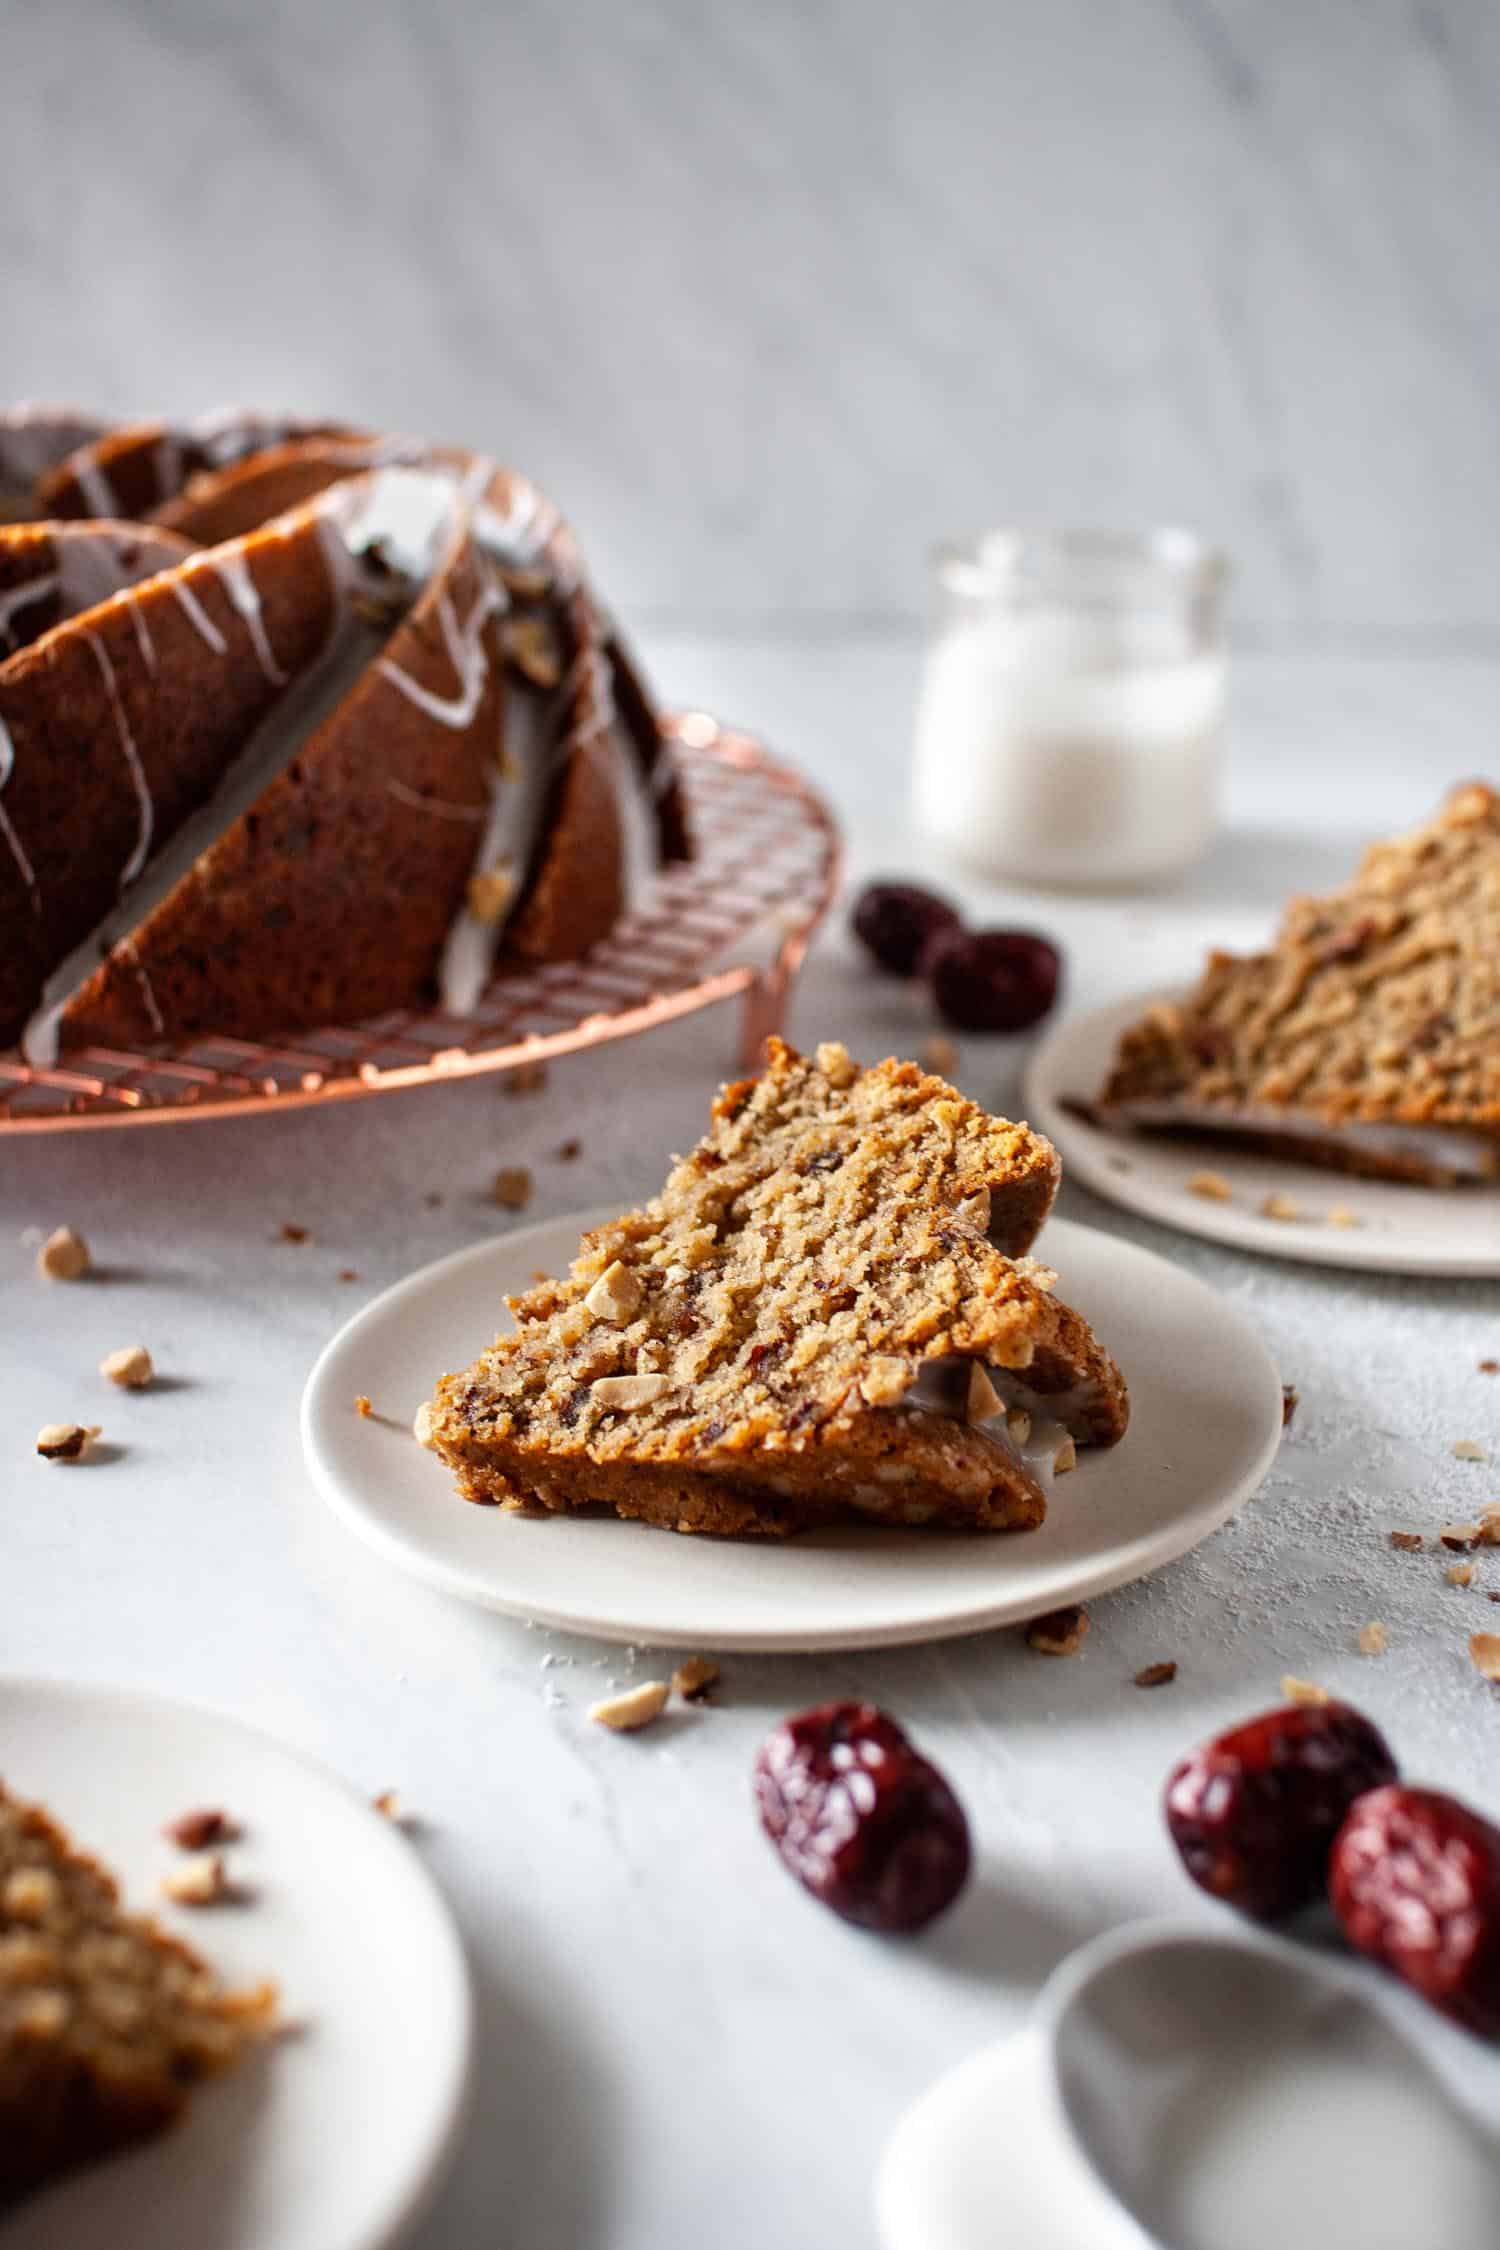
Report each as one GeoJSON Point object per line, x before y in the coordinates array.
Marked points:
{"type": "Point", "coordinates": [747, 1351]}
{"type": "Point", "coordinates": [1378, 1006]}
{"type": "Point", "coordinates": [106, 2021]}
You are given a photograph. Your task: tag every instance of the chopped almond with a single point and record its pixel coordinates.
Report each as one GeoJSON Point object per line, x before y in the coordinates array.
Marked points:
{"type": "Point", "coordinates": [131, 1367]}
{"type": "Point", "coordinates": [64, 1256]}
{"type": "Point", "coordinates": [1302, 1691]}
{"type": "Point", "coordinates": [1484, 1648]}
{"type": "Point", "coordinates": [696, 1678]}
{"type": "Point", "coordinates": [1212, 1186]}
{"type": "Point", "coordinates": [1061, 1633]}
{"type": "Point", "coordinates": [1372, 1639]}
{"type": "Point", "coordinates": [512, 1187]}
{"type": "Point", "coordinates": [636, 1708]}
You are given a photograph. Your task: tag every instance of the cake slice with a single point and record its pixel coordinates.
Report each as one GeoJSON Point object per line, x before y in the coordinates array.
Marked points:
{"type": "Point", "coordinates": [1368, 1038]}
{"type": "Point", "coordinates": [106, 2022]}
{"type": "Point", "coordinates": [826, 1313]}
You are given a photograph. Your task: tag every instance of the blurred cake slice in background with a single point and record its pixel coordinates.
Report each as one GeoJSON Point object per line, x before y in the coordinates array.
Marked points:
{"type": "Point", "coordinates": [107, 2023]}
{"type": "Point", "coordinates": [1367, 1039]}
{"type": "Point", "coordinates": [825, 1315]}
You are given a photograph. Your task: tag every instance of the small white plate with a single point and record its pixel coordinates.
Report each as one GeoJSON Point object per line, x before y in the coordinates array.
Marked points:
{"type": "Point", "coordinates": [334, 2137]}
{"type": "Point", "coordinates": [1401, 1229]}
{"type": "Point", "coordinates": [1205, 1423]}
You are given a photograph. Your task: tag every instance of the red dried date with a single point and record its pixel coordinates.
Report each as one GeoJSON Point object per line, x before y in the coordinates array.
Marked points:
{"type": "Point", "coordinates": [1254, 1813]}
{"type": "Point", "coordinates": [862, 1819]}
{"type": "Point", "coordinates": [992, 980]}
{"type": "Point", "coordinates": [894, 921]}
{"type": "Point", "coordinates": [1415, 1880]}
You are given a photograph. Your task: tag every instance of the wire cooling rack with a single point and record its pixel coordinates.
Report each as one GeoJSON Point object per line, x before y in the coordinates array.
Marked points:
{"type": "Point", "coordinates": [732, 923]}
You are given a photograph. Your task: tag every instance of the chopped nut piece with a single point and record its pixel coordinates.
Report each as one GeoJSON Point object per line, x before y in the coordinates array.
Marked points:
{"type": "Point", "coordinates": [1280, 1207]}
{"type": "Point", "coordinates": [65, 1441]}
{"type": "Point", "coordinates": [1489, 1367]}
{"type": "Point", "coordinates": [64, 1256]}
{"type": "Point", "coordinates": [347, 1273]}
{"type": "Point", "coordinates": [630, 1390]}
{"type": "Point", "coordinates": [389, 1804]}
{"type": "Point", "coordinates": [292, 1233]}
{"type": "Point", "coordinates": [491, 890]}
{"type": "Point", "coordinates": [984, 1401]}
{"type": "Point", "coordinates": [1212, 1186]}
{"type": "Point", "coordinates": [363, 1405]}
{"type": "Point", "coordinates": [1460, 1538]}
{"type": "Point", "coordinates": [532, 649]}
{"type": "Point", "coordinates": [195, 1831]}
{"type": "Point", "coordinates": [1460, 1574]}
{"type": "Point", "coordinates": [1291, 1399]}
{"type": "Point", "coordinates": [1065, 1458]}
{"type": "Point", "coordinates": [130, 1367]}
{"type": "Point", "coordinates": [1061, 1633]}
{"type": "Point", "coordinates": [200, 1881]}
{"type": "Point", "coordinates": [569, 1152]}
{"type": "Point", "coordinates": [1157, 1675]}
{"type": "Point", "coordinates": [1372, 1639]}
{"type": "Point", "coordinates": [835, 1064]}
{"type": "Point", "coordinates": [1407, 1541]}
{"type": "Point", "coordinates": [1489, 1528]}
{"type": "Point", "coordinates": [424, 1423]}
{"type": "Point", "coordinates": [1467, 1449]}
{"type": "Point", "coordinates": [637, 1708]}
{"type": "Point", "coordinates": [1342, 1216]}
{"type": "Point", "coordinates": [885, 1382]}
{"type": "Point", "coordinates": [512, 1187]}
{"type": "Point", "coordinates": [696, 1678]}
{"type": "Point", "coordinates": [1484, 1648]}
{"type": "Point", "coordinates": [1018, 1423]}
{"type": "Point", "coordinates": [30, 1894]}
{"type": "Point", "coordinates": [526, 1078]}
{"type": "Point", "coordinates": [616, 1295]}
{"type": "Point", "coordinates": [1302, 1691]}
{"type": "Point", "coordinates": [940, 1056]}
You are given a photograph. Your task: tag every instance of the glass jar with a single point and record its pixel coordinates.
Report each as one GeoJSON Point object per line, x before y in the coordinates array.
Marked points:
{"type": "Point", "coordinates": [1072, 710]}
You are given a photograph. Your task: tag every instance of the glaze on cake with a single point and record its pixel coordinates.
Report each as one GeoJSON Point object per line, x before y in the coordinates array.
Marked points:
{"type": "Point", "coordinates": [338, 762]}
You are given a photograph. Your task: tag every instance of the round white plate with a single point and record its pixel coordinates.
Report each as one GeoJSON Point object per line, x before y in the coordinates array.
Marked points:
{"type": "Point", "coordinates": [1205, 1423]}
{"type": "Point", "coordinates": [1401, 1229]}
{"type": "Point", "coordinates": [333, 2137]}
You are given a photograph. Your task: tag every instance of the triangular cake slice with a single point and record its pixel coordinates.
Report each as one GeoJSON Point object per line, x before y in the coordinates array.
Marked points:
{"type": "Point", "coordinates": [825, 1314]}
{"type": "Point", "coordinates": [1368, 1038]}
{"type": "Point", "coordinates": [106, 2022]}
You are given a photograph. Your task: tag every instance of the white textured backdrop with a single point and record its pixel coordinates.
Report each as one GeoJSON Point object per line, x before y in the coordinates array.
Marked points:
{"type": "Point", "coordinates": [772, 294]}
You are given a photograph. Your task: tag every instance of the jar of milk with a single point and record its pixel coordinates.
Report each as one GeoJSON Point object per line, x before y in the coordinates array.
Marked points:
{"type": "Point", "coordinates": [1072, 709]}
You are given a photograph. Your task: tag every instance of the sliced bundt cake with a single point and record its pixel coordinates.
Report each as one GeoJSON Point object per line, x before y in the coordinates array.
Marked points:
{"type": "Point", "coordinates": [826, 1313]}
{"type": "Point", "coordinates": [334, 764]}
{"type": "Point", "coordinates": [106, 2023]}
{"type": "Point", "coordinates": [1367, 1038]}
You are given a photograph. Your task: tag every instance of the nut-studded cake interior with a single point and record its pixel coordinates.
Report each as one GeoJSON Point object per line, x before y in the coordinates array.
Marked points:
{"type": "Point", "coordinates": [812, 1320]}
{"type": "Point", "coordinates": [106, 2022]}
{"type": "Point", "coordinates": [1369, 1036]}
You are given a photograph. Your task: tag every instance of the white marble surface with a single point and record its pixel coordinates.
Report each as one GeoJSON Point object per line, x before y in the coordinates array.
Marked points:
{"type": "Point", "coordinates": [773, 296]}
{"type": "Point", "coordinates": [678, 2048]}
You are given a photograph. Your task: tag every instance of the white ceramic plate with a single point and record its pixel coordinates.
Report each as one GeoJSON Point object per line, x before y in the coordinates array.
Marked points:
{"type": "Point", "coordinates": [1205, 1422]}
{"type": "Point", "coordinates": [333, 2138]}
{"type": "Point", "coordinates": [1400, 1230]}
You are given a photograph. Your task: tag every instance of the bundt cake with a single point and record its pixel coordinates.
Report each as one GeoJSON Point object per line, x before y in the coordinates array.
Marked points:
{"type": "Point", "coordinates": [298, 726]}
{"type": "Point", "coordinates": [1367, 1039]}
{"type": "Point", "coordinates": [827, 1313]}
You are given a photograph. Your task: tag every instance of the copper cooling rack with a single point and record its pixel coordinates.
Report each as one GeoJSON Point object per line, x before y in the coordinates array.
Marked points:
{"type": "Point", "coordinates": [733, 923]}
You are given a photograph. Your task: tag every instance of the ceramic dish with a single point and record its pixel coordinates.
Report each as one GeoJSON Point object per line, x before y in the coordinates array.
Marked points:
{"type": "Point", "coordinates": [1395, 1229]}
{"type": "Point", "coordinates": [1181, 2089]}
{"type": "Point", "coordinates": [335, 2137]}
{"type": "Point", "coordinates": [1205, 1424]}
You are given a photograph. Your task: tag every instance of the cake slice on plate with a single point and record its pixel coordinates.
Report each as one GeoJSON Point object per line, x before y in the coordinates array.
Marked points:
{"type": "Point", "coordinates": [825, 1314]}
{"type": "Point", "coordinates": [1368, 1038]}
{"type": "Point", "coordinates": [106, 2022]}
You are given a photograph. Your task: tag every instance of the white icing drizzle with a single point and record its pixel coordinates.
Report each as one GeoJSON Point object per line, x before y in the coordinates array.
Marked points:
{"type": "Point", "coordinates": [233, 573]}
{"type": "Point", "coordinates": [466, 653]}
{"type": "Point", "coordinates": [131, 953]}
{"type": "Point", "coordinates": [143, 638]}
{"type": "Point", "coordinates": [202, 623]}
{"type": "Point", "coordinates": [7, 826]}
{"type": "Point", "coordinates": [137, 859]}
{"type": "Point", "coordinates": [518, 800]}
{"type": "Point", "coordinates": [17, 598]}
{"type": "Point", "coordinates": [92, 482]}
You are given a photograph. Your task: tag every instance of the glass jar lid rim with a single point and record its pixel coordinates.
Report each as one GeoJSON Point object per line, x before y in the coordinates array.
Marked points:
{"type": "Point", "coordinates": [993, 560]}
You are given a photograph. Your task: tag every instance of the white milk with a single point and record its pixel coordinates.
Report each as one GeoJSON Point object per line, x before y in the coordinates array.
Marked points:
{"type": "Point", "coordinates": [1057, 747]}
